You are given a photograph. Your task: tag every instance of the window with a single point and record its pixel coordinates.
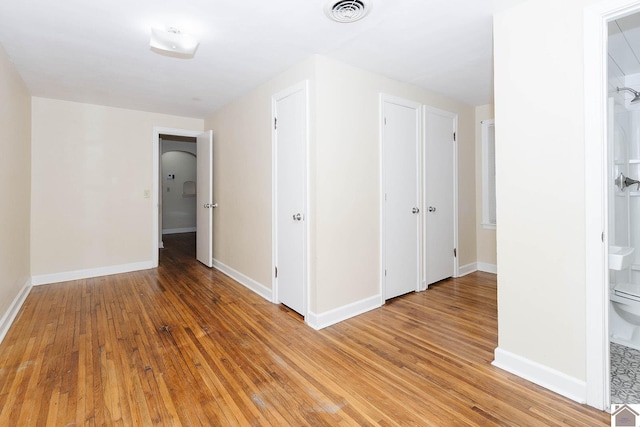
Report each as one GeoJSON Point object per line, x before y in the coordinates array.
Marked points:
{"type": "Point", "coordinates": [488, 174]}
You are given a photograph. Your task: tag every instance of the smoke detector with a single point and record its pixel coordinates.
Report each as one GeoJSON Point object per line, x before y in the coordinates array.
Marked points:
{"type": "Point", "coordinates": [345, 11]}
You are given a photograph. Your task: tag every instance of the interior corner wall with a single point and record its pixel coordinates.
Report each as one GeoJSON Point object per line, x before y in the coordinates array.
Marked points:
{"type": "Point", "coordinates": [538, 54]}
{"type": "Point", "coordinates": [347, 177]}
{"type": "Point", "coordinates": [344, 179]}
{"type": "Point", "coordinates": [242, 176]}
{"type": "Point", "coordinates": [486, 238]}
{"type": "Point", "coordinates": [15, 187]}
{"type": "Point", "coordinates": [91, 168]}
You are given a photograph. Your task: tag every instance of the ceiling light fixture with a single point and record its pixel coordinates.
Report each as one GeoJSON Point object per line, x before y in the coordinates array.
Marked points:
{"type": "Point", "coordinates": [345, 11]}
{"type": "Point", "coordinates": [172, 42]}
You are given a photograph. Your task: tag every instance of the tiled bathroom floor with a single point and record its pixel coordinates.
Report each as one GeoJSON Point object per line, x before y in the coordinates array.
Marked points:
{"type": "Point", "coordinates": [625, 374]}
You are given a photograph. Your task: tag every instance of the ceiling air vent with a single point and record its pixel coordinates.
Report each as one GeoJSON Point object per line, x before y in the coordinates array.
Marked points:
{"type": "Point", "coordinates": [345, 11]}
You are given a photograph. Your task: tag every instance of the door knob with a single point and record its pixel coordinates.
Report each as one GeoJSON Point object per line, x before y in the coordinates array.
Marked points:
{"type": "Point", "coordinates": [432, 209]}
{"type": "Point", "coordinates": [215, 205]}
{"type": "Point", "coordinates": [415, 210]}
{"type": "Point", "coordinates": [297, 217]}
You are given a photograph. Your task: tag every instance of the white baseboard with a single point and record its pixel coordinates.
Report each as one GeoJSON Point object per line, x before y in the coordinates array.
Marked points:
{"type": "Point", "coordinates": [328, 318]}
{"type": "Point", "coordinates": [467, 269]}
{"type": "Point", "coordinates": [178, 230]}
{"type": "Point", "coordinates": [542, 375]}
{"type": "Point", "coordinates": [9, 316]}
{"type": "Point", "coordinates": [45, 279]}
{"type": "Point", "coordinates": [245, 281]}
{"type": "Point", "coordinates": [488, 268]}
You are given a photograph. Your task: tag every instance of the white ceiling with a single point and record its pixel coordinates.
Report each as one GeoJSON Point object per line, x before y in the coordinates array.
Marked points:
{"type": "Point", "coordinates": [97, 51]}
{"type": "Point", "coordinates": [624, 45]}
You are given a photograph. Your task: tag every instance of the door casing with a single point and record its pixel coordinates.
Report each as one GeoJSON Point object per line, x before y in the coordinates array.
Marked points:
{"type": "Point", "coordinates": [155, 197]}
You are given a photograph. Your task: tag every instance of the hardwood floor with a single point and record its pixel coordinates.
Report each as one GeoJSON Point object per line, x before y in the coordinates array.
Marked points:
{"type": "Point", "coordinates": [186, 345]}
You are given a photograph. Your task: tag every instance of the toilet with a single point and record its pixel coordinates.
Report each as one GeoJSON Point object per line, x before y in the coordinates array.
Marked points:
{"type": "Point", "coordinates": [625, 300]}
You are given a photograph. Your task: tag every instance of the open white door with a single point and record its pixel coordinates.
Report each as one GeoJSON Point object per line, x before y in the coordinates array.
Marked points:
{"type": "Point", "coordinates": [440, 204]}
{"type": "Point", "coordinates": [204, 196]}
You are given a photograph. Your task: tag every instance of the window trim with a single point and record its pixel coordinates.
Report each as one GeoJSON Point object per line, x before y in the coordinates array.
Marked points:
{"type": "Point", "coordinates": [487, 223]}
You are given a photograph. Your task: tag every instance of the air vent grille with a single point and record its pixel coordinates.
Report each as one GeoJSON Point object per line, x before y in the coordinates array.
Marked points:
{"type": "Point", "coordinates": [345, 11]}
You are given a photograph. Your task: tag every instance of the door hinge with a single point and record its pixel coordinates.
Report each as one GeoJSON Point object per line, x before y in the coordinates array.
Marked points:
{"type": "Point", "coordinates": [602, 237]}
{"type": "Point", "coordinates": [385, 120]}
{"type": "Point", "coordinates": [275, 123]}
{"type": "Point", "coordinates": [385, 272]}
{"type": "Point", "coordinates": [455, 252]}
{"type": "Point", "coordinates": [276, 272]}
{"type": "Point", "coordinates": [454, 136]}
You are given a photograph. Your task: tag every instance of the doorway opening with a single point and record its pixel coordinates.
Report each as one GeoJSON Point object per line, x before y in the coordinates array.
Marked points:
{"type": "Point", "coordinates": [623, 225]}
{"type": "Point", "coordinates": [177, 196]}
{"type": "Point", "coordinates": [600, 189]}
{"type": "Point", "coordinates": [182, 148]}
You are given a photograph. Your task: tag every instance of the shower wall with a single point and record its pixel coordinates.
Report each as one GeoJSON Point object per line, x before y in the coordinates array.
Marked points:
{"type": "Point", "coordinates": [625, 204]}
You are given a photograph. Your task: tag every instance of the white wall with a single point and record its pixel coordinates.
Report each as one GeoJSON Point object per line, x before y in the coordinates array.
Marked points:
{"type": "Point", "coordinates": [344, 179]}
{"type": "Point", "coordinates": [540, 158]}
{"type": "Point", "coordinates": [242, 177]}
{"type": "Point", "coordinates": [15, 187]}
{"type": "Point", "coordinates": [347, 177]}
{"type": "Point", "coordinates": [486, 238]}
{"type": "Point", "coordinates": [91, 168]}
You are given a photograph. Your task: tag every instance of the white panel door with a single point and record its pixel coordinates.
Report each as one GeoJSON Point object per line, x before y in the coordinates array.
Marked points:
{"type": "Point", "coordinates": [401, 213]}
{"type": "Point", "coordinates": [440, 179]}
{"type": "Point", "coordinates": [290, 139]}
{"type": "Point", "coordinates": [204, 197]}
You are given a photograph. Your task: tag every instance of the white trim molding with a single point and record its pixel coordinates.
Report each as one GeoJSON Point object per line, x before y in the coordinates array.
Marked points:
{"type": "Point", "coordinates": [467, 269]}
{"type": "Point", "coordinates": [46, 279]}
{"type": "Point", "coordinates": [542, 375]}
{"type": "Point", "coordinates": [331, 317]}
{"type": "Point", "coordinates": [477, 266]}
{"type": "Point", "coordinates": [487, 268]}
{"type": "Point", "coordinates": [10, 315]}
{"type": "Point", "coordinates": [245, 281]}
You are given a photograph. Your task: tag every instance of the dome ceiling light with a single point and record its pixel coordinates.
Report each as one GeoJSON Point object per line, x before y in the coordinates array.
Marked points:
{"type": "Point", "coordinates": [172, 42]}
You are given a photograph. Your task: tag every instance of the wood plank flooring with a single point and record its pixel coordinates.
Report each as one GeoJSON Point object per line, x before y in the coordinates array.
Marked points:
{"type": "Point", "coordinates": [186, 345]}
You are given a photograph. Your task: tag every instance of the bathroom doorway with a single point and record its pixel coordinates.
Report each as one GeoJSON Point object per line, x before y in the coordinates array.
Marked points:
{"type": "Point", "coordinates": [623, 208]}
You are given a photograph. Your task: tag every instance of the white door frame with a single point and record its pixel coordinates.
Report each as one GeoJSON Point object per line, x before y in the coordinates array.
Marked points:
{"type": "Point", "coordinates": [302, 86]}
{"type": "Point", "coordinates": [454, 117]}
{"type": "Point", "coordinates": [420, 169]}
{"type": "Point", "coordinates": [155, 192]}
{"type": "Point", "coordinates": [596, 183]}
